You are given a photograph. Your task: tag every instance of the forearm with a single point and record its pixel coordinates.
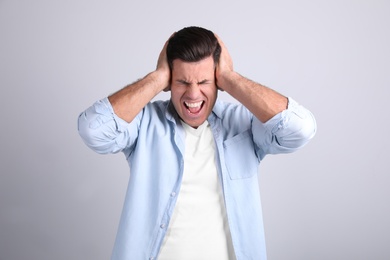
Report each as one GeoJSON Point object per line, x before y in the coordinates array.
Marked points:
{"type": "Point", "coordinates": [262, 101]}
{"type": "Point", "coordinates": [129, 101]}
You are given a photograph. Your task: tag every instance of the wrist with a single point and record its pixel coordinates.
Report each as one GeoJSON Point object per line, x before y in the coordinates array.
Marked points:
{"type": "Point", "coordinates": [226, 79]}
{"type": "Point", "coordinates": [161, 78]}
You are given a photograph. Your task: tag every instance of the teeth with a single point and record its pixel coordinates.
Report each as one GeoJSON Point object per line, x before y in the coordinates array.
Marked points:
{"type": "Point", "coordinates": [197, 104]}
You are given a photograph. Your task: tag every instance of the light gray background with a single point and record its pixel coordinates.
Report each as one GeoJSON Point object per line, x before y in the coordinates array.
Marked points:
{"type": "Point", "coordinates": [59, 200]}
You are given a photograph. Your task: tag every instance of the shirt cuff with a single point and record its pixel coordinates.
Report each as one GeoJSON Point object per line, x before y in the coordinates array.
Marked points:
{"type": "Point", "coordinates": [281, 120]}
{"type": "Point", "coordinates": [121, 124]}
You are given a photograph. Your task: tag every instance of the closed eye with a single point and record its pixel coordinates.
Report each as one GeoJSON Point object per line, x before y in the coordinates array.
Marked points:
{"type": "Point", "coordinates": [203, 82]}
{"type": "Point", "coordinates": [183, 82]}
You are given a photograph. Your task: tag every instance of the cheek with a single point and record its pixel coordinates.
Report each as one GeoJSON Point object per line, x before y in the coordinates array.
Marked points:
{"type": "Point", "coordinates": [212, 92]}
{"type": "Point", "coordinates": [175, 96]}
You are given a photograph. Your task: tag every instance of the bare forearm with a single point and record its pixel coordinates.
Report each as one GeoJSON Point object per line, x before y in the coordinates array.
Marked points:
{"type": "Point", "coordinates": [262, 101]}
{"type": "Point", "coordinates": [130, 100]}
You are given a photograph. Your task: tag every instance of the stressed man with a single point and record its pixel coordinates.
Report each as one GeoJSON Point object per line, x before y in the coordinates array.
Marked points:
{"type": "Point", "coordinates": [193, 190]}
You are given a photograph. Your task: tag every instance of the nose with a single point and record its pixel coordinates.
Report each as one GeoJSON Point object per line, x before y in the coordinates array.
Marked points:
{"type": "Point", "coordinates": [193, 91]}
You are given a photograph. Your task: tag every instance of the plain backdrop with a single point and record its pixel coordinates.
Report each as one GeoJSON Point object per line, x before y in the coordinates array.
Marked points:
{"type": "Point", "coordinates": [59, 200]}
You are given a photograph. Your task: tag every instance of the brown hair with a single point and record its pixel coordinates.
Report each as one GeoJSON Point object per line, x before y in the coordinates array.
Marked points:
{"type": "Point", "coordinates": [193, 44]}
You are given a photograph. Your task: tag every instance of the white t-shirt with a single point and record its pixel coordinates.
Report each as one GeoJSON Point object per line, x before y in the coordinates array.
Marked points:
{"type": "Point", "coordinates": [198, 229]}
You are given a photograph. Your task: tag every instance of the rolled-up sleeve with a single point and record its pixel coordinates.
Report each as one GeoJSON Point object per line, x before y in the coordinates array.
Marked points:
{"type": "Point", "coordinates": [103, 131]}
{"type": "Point", "coordinates": [286, 132]}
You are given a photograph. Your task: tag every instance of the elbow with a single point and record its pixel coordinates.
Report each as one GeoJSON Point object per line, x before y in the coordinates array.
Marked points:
{"type": "Point", "coordinates": [307, 131]}
{"type": "Point", "coordinates": [93, 137]}
{"type": "Point", "coordinates": [299, 133]}
{"type": "Point", "coordinates": [88, 135]}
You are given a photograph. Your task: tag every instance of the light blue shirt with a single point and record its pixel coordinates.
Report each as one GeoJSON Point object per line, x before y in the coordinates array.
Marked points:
{"type": "Point", "coordinates": [153, 144]}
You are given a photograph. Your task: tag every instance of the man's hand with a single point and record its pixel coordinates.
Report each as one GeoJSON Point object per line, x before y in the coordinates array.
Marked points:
{"type": "Point", "coordinates": [224, 68]}
{"type": "Point", "coordinates": [163, 66]}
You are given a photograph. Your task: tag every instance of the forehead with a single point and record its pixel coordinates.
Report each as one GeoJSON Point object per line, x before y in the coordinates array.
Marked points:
{"type": "Point", "coordinates": [203, 68]}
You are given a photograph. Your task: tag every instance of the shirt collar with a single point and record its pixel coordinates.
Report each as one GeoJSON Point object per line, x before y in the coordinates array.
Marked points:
{"type": "Point", "coordinates": [218, 109]}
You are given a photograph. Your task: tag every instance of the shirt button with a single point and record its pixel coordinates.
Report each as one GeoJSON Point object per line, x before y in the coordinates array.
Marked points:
{"type": "Point", "coordinates": [162, 225]}
{"type": "Point", "coordinates": [173, 194]}
{"type": "Point", "coordinates": [152, 258]}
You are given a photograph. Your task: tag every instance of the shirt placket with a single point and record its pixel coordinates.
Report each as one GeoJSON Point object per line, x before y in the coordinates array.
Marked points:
{"type": "Point", "coordinates": [163, 225]}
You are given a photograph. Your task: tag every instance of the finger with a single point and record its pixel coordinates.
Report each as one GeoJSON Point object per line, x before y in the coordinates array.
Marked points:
{"type": "Point", "coordinates": [220, 41]}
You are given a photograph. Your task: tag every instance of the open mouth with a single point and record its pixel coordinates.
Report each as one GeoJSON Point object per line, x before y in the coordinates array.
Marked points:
{"type": "Point", "coordinates": [195, 107]}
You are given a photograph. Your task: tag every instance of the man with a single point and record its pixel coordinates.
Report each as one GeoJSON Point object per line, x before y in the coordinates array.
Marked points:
{"type": "Point", "coordinates": [193, 191]}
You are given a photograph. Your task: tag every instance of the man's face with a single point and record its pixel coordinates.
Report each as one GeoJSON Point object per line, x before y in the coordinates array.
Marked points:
{"type": "Point", "coordinates": [193, 90]}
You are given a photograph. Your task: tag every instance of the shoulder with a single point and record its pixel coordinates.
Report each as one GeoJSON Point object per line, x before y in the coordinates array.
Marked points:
{"type": "Point", "coordinates": [234, 117]}
{"type": "Point", "coordinates": [158, 111]}
{"type": "Point", "coordinates": [158, 106]}
{"type": "Point", "coordinates": [231, 111]}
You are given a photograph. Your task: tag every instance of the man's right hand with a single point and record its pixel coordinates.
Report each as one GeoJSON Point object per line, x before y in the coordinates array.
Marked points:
{"type": "Point", "coordinates": [163, 66]}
